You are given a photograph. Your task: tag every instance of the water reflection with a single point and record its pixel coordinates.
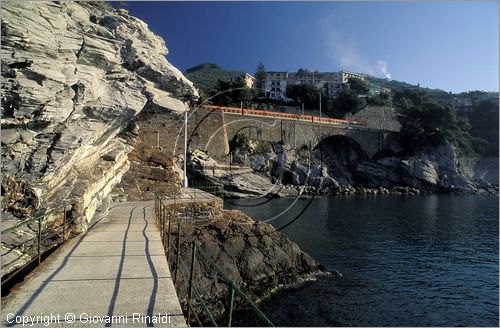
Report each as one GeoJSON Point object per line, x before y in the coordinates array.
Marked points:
{"type": "Point", "coordinates": [405, 260]}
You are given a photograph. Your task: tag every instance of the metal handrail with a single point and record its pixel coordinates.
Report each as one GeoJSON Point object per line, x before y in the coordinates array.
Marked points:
{"type": "Point", "coordinates": [180, 267]}
{"type": "Point", "coordinates": [55, 210]}
{"type": "Point", "coordinates": [40, 232]}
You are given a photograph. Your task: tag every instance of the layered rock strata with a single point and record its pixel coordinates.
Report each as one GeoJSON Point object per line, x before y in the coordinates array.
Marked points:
{"type": "Point", "coordinates": [74, 75]}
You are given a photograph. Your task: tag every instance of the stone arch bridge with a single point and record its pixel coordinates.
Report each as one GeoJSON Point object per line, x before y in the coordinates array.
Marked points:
{"type": "Point", "coordinates": [212, 131]}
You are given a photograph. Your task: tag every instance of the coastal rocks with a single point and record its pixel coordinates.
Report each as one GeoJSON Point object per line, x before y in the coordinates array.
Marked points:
{"type": "Point", "coordinates": [74, 76]}
{"type": "Point", "coordinates": [286, 166]}
{"type": "Point", "coordinates": [253, 254]}
{"type": "Point", "coordinates": [18, 197]}
{"type": "Point", "coordinates": [419, 172]}
{"type": "Point", "coordinates": [483, 170]}
{"type": "Point", "coordinates": [435, 169]}
{"type": "Point", "coordinates": [237, 180]}
{"type": "Point", "coordinates": [383, 172]}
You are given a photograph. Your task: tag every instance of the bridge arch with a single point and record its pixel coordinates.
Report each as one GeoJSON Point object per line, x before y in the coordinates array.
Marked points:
{"type": "Point", "coordinates": [341, 147]}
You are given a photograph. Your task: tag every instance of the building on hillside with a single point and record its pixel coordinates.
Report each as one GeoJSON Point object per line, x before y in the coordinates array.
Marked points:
{"type": "Point", "coordinates": [344, 76]}
{"type": "Point", "coordinates": [463, 104]}
{"type": "Point", "coordinates": [332, 89]}
{"type": "Point", "coordinates": [249, 79]}
{"type": "Point", "coordinates": [306, 77]}
{"type": "Point", "coordinates": [377, 89]}
{"type": "Point", "coordinates": [276, 83]}
{"type": "Point", "coordinates": [331, 83]}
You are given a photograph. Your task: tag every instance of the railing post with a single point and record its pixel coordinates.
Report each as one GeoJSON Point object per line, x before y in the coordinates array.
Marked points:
{"type": "Point", "coordinates": [230, 304]}
{"type": "Point", "coordinates": [178, 256]}
{"type": "Point", "coordinates": [64, 223]}
{"type": "Point", "coordinates": [159, 221]}
{"type": "Point", "coordinates": [168, 236]}
{"type": "Point", "coordinates": [39, 248]}
{"type": "Point", "coordinates": [190, 288]}
{"type": "Point", "coordinates": [156, 210]}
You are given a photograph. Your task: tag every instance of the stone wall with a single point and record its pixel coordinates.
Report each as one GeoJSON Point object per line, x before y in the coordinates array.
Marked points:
{"type": "Point", "coordinates": [377, 117]}
{"type": "Point", "coordinates": [297, 134]}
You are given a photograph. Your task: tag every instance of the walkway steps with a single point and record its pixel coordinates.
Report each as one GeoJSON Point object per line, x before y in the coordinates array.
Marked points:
{"type": "Point", "coordinates": [117, 269]}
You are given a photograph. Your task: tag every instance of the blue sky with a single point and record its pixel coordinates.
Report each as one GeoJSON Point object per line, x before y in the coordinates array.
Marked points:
{"type": "Point", "coordinates": [449, 45]}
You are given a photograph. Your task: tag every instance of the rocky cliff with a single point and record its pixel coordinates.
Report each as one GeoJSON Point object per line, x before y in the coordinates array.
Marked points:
{"type": "Point", "coordinates": [74, 75]}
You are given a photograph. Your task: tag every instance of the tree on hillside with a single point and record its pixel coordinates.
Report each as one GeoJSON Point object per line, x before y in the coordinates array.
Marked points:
{"type": "Point", "coordinates": [304, 93]}
{"type": "Point", "coordinates": [381, 99]}
{"type": "Point", "coordinates": [432, 124]}
{"type": "Point", "coordinates": [260, 79]}
{"type": "Point", "coordinates": [484, 124]}
{"type": "Point", "coordinates": [232, 92]}
{"type": "Point", "coordinates": [347, 101]}
{"type": "Point", "coordinates": [358, 86]}
{"type": "Point", "coordinates": [407, 97]}
{"type": "Point", "coordinates": [205, 77]}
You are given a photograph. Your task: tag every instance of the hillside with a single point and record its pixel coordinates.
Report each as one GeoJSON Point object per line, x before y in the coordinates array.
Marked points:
{"type": "Point", "coordinates": [205, 77]}
{"type": "Point", "coordinates": [391, 84]}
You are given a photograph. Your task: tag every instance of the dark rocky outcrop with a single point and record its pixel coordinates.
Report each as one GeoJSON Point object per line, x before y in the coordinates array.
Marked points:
{"type": "Point", "coordinates": [258, 258]}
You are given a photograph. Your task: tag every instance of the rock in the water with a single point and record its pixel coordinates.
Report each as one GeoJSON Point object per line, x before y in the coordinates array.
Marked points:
{"type": "Point", "coordinates": [253, 254]}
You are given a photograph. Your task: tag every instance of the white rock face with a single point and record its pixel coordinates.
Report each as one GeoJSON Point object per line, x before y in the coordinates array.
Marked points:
{"type": "Point", "coordinates": [74, 75]}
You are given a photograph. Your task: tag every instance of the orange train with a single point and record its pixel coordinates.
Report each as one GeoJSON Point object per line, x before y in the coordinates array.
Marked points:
{"type": "Point", "coordinates": [308, 118]}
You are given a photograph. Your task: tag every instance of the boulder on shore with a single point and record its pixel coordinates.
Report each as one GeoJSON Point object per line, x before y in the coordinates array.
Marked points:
{"type": "Point", "coordinates": [253, 254]}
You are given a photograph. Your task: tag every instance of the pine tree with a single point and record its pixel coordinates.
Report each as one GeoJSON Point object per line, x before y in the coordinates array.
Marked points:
{"type": "Point", "coordinates": [260, 79]}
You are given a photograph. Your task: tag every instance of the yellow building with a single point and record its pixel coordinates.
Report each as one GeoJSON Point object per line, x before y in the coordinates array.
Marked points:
{"type": "Point", "coordinates": [344, 76]}
{"type": "Point", "coordinates": [249, 80]}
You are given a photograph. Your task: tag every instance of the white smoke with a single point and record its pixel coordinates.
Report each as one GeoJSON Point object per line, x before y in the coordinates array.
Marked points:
{"type": "Point", "coordinates": [382, 67]}
{"type": "Point", "coordinates": [346, 52]}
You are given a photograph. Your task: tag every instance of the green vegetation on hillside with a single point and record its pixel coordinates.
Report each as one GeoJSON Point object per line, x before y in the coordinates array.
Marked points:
{"type": "Point", "coordinates": [205, 77]}
{"type": "Point", "coordinates": [426, 122]}
{"type": "Point", "coordinates": [231, 93]}
{"type": "Point", "coordinates": [391, 84]}
{"type": "Point", "coordinates": [304, 93]}
{"type": "Point", "coordinates": [484, 124]}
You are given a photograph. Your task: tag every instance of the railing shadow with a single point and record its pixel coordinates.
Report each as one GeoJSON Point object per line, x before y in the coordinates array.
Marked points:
{"type": "Point", "coordinates": [186, 269]}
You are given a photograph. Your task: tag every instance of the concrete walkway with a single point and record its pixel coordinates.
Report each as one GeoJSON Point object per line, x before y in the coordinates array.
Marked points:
{"type": "Point", "coordinates": [117, 270]}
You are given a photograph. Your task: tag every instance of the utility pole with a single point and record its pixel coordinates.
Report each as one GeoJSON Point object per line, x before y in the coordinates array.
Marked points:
{"type": "Point", "coordinates": [320, 105]}
{"type": "Point", "coordinates": [185, 148]}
